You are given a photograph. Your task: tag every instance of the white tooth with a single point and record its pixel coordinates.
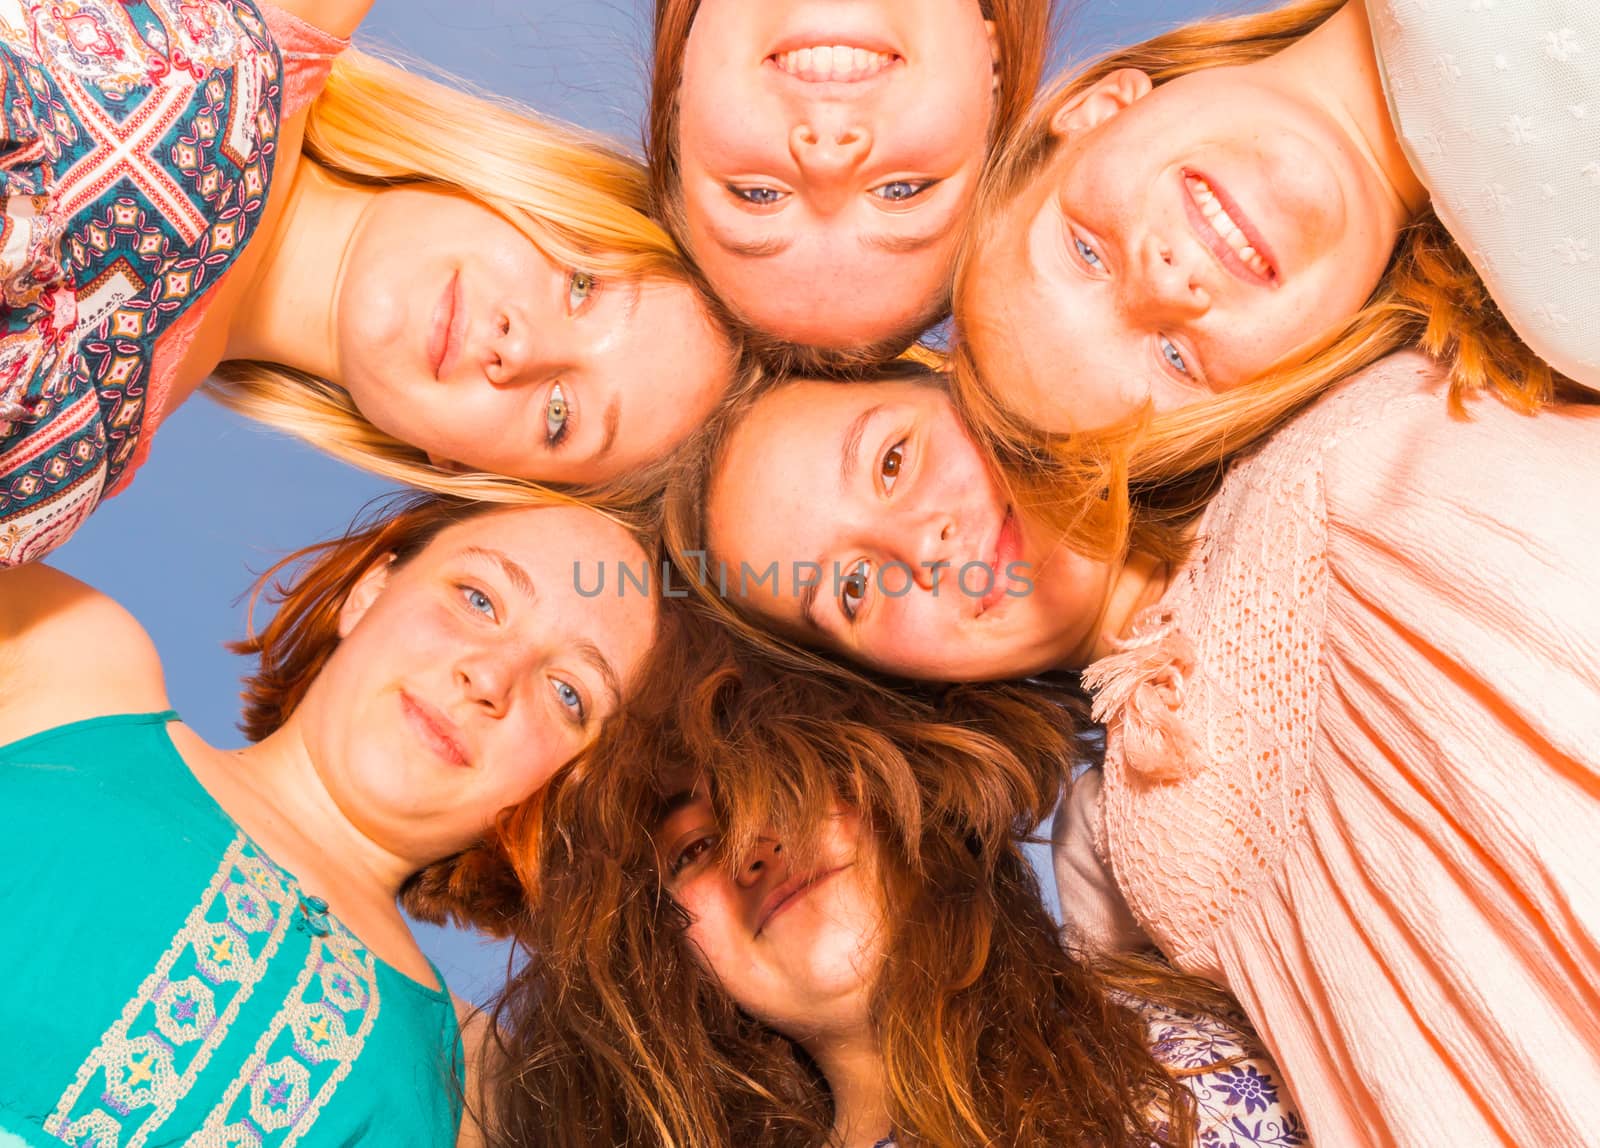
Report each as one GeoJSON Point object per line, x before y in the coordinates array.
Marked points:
{"type": "Point", "coordinates": [1227, 228]}
{"type": "Point", "coordinates": [822, 60]}
{"type": "Point", "coordinates": [859, 60]}
{"type": "Point", "coordinates": [843, 58]}
{"type": "Point", "coordinates": [1210, 208]}
{"type": "Point", "coordinates": [1247, 253]}
{"type": "Point", "coordinates": [802, 61]}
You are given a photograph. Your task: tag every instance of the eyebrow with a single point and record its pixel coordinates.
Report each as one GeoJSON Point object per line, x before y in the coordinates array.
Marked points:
{"type": "Point", "coordinates": [754, 248]}
{"type": "Point", "coordinates": [515, 574]}
{"type": "Point", "coordinates": [612, 417]}
{"type": "Point", "coordinates": [850, 445]}
{"type": "Point", "coordinates": [899, 244]}
{"type": "Point", "coordinates": [600, 664]}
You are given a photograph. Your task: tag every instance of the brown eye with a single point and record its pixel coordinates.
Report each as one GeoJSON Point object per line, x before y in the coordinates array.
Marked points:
{"type": "Point", "coordinates": [893, 459]}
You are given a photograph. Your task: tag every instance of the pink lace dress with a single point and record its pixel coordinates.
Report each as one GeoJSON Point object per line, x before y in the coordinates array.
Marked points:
{"type": "Point", "coordinates": [1353, 766]}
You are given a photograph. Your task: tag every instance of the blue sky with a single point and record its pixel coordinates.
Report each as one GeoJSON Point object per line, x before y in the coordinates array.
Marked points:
{"type": "Point", "coordinates": [221, 499]}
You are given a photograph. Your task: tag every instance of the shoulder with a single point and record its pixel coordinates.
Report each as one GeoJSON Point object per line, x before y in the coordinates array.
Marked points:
{"type": "Point", "coordinates": [335, 17]}
{"type": "Point", "coordinates": [478, 1043]}
{"type": "Point", "coordinates": [1398, 456]}
{"type": "Point", "coordinates": [69, 652]}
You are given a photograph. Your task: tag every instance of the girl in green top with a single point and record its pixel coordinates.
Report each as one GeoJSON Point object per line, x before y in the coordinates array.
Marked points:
{"type": "Point", "coordinates": [205, 946]}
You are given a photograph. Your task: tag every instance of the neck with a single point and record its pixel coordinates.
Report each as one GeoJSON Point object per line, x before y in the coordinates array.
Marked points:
{"type": "Point", "coordinates": [853, 1066]}
{"type": "Point", "coordinates": [1336, 66]}
{"type": "Point", "coordinates": [287, 314]}
{"type": "Point", "coordinates": [1138, 582]}
{"type": "Point", "coordinates": [291, 813]}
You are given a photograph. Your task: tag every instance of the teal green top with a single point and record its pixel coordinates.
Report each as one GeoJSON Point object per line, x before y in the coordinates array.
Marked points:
{"type": "Point", "coordinates": [166, 983]}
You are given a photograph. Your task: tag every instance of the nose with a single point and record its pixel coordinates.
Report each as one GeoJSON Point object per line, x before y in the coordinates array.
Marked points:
{"type": "Point", "coordinates": [829, 148]}
{"type": "Point", "coordinates": [765, 858]}
{"type": "Point", "coordinates": [1168, 287]}
{"type": "Point", "coordinates": [928, 548]}
{"type": "Point", "coordinates": [508, 357]}
{"type": "Point", "coordinates": [486, 678]}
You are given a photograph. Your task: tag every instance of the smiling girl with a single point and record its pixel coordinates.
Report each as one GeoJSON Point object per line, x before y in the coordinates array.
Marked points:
{"type": "Point", "coordinates": [818, 158]}
{"type": "Point", "coordinates": [1351, 698]}
{"type": "Point", "coordinates": [419, 281]}
{"type": "Point", "coordinates": [857, 957]}
{"type": "Point", "coordinates": [1286, 197]}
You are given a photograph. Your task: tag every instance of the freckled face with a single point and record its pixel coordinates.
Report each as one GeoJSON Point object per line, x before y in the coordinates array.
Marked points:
{"type": "Point", "coordinates": [457, 335]}
{"type": "Point", "coordinates": [467, 675]}
{"type": "Point", "coordinates": [921, 567]}
{"type": "Point", "coordinates": [1182, 241]}
{"type": "Point", "coordinates": [798, 949]}
{"type": "Point", "coordinates": [829, 151]}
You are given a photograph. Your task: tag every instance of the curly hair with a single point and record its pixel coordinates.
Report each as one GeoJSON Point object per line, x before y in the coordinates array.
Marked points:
{"type": "Point", "coordinates": [990, 1032]}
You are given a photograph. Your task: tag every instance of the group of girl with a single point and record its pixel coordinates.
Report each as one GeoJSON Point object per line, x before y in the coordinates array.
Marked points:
{"type": "Point", "coordinates": [1241, 525]}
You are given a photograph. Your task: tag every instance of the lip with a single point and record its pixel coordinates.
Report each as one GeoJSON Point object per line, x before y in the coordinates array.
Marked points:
{"type": "Point", "coordinates": [790, 893]}
{"type": "Point", "coordinates": [1217, 245]}
{"type": "Point", "coordinates": [1007, 548]}
{"type": "Point", "coordinates": [880, 63]}
{"type": "Point", "coordinates": [437, 732]}
{"type": "Point", "coordinates": [449, 317]}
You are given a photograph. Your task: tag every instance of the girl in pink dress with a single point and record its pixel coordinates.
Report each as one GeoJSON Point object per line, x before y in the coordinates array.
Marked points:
{"type": "Point", "coordinates": [1352, 764]}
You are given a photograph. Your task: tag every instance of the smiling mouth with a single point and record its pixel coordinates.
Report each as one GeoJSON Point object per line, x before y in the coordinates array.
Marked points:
{"type": "Point", "coordinates": [1228, 232]}
{"type": "Point", "coordinates": [833, 63]}
{"type": "Point", "coordinates": [1007, 548]}
{"type": "Point", "coordinates": [792, 891]}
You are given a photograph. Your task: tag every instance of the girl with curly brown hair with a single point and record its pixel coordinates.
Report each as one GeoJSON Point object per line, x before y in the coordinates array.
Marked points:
{"type": "Point", "coordinates": [789, 909]}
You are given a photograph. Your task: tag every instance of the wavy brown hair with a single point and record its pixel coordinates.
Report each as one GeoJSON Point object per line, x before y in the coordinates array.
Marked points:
{"type": "Point", "coordinates": [1141, 482]}
{"type": "Point", "coordinates": [991, 1033]}
{"type": "Point", "coordinates": [477, 887]}
{"type": "Point", "coordinates": [1022, 34]}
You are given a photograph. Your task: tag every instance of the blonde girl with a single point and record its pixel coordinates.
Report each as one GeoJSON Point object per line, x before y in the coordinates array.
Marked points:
{"type": "Point", "coordinates": [1285, 197]}
{"type": "Point", "coordinates": [417, 280]}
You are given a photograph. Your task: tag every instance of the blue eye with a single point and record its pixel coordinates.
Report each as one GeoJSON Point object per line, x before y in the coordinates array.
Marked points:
{"type": "Point", "coordinates": [901, 190]}
{"type": "Point", "coordinates": [1087, 253]}
{"type": "Point", "coordinates": [760, 196]}
{"type": "Point", "coordinates": [1172, 355]}
{"type": "Point", "coordinates": [570, 698]}
{"type": "Point", "coordinates": [478, 601]}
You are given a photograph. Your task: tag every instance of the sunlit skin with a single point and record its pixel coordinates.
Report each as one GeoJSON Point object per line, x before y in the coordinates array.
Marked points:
{"type": "Point", "coordinates": [882, 483]}
{"type": "Point", "coordinates": [1107, 283]}
{"type": "Point", "coordinates": [797, 947]}
{"type": "Point", "coordinates": [827, 211]}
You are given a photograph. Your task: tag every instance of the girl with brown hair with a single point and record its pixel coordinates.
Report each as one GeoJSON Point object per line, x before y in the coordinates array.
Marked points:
{"type": "Point", "coordinates": [818, 162]}
{"type": "Point", "coordinates": [210, 945]}
{"type": "Point", "coordinates": [786, 910]}
{"type": "Point", "coordinates": [1351, 698]}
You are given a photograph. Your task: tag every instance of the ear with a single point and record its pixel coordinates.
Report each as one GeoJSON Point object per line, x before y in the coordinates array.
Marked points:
{"type": "Point", "coordinates": [363, 594]}
{"type": "Point", "coordinates": [1100, 101]}
{"type": "Point", "coordinates": [994, 44]}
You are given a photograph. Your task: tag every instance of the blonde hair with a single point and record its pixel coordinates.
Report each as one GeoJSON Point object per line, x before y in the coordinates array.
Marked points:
{"type": "Point", "coordinates": [1138, 483]}
{"type": "Point", "coordinates": [578, 199]}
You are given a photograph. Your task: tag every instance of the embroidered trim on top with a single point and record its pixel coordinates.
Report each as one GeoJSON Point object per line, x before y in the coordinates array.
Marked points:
{"type": "Point", "coordinates": [276, 1098]}
{"type": "Point", "coordinates": [149, 1059]}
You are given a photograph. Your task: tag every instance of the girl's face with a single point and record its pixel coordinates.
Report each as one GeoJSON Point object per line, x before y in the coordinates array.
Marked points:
{"type": "Point", "coordinates": [457, 335]}
{"type": "Point", "coordinates": [829, 150]}
{"type": "Point", "coordinates": [1182, 241]}
{"type": "Point", "coordinates": [797, 948]}
{"type": "Point", "coordinates": [467, 675]}
{"type": "Point", "coordinates": [891, 540]}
